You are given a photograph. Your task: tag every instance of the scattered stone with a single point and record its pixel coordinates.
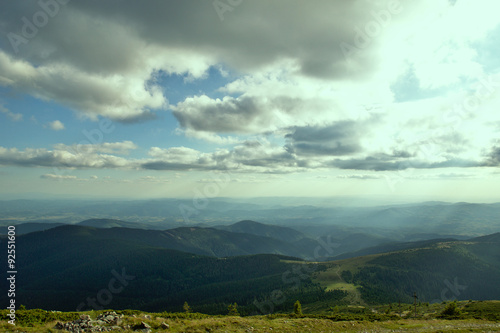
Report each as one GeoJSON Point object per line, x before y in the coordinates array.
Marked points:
{"type": "Point", "coordinates": [110, 317]}
{"type": "Point", "coordinates": [164, 325]}
{"type": "Point", "coordinates": [143, 327]}
{"type": "Point", "coordinates": [86, 324]}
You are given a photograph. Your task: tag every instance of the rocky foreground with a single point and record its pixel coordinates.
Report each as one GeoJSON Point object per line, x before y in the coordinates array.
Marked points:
{"type": "Point", "coordinates": [105, 322]}
{"type": "Point", "coordinates": [112, 322]}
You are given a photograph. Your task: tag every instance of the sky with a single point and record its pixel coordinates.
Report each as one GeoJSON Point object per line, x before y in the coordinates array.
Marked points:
{"type": "Point", "coordinates": [250, 98]}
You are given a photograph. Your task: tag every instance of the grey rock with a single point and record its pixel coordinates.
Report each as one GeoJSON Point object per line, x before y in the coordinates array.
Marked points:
{"type": "Point", "coordinates": [144, 325]}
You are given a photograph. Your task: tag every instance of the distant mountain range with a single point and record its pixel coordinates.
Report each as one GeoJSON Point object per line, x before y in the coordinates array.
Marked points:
{"type": "Point", "coordinates": [227, 240]}
{"type": "Point", "coordinates": [260, 229]}
{"type": "Point", "coordinates": [344, 242]}
{"type": "Point", "coordinates": [112, 223]}
{"type": "Point", "coordinates": [248, 263]}
{"type": "Point", "coordinates": [402, 222]}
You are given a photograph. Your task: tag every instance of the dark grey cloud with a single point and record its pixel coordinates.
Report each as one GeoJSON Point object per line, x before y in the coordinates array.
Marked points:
{"type": "Point", "coordinates": [226, 116]}
{"type": "Point", "coordinates": [262, 154]}
{"type": "Point", "coordinates": [388, 163]}
{"type": "Point", "coordinates": [244, 114]}
{"type": "Point", "coordinates": [253, 34]}
{"type": "Point", "coordinates": [493, 158]}
{"type": "Point", "coordinates": [163, 165]}
{"type": "Point", "coordinates": [341, 138]}
{"type": "Point", "coordinates": [97, 57]}
{"type": "Point", "coordinates": [401, 154]}
{"type": "Point", "coordinates": [107, 37]}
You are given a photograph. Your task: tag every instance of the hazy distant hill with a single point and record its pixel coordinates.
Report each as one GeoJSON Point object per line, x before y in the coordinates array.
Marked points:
{"type": "Point", "coordinates": [459, 218]}
{"type": "Point", "coordinates": [25, 228]}
{"type": "Point", "coordinates": [111, 223]}
{"type": "Point", "coordinates": [255, 228]}
{"type": "Point", "coordinates": [397, 222]}
{"type": "Point", "coordinates": [391, 247]}
{"type": "Point", "coordinates": [202, 241]}
{"type": "Point", "coordinates": [493, 238]}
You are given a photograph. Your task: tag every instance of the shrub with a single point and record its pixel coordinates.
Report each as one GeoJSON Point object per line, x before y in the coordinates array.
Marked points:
{"type": "Point", "coordinates": [297, 308]}
{"type": "Point", "coordinates": [451, 311]}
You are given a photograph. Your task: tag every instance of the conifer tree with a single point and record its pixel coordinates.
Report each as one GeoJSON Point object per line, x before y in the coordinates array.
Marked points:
{"type": "Point", "coordinates": [232, 310]}
{"type": "Point", "coordinates": [186, 307]}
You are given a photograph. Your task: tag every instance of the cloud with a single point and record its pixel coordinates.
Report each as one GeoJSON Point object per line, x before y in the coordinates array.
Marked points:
{"type": "Point", "coordinates": [50, 176]}
{"type": "Point", "coordinates": [11, 115]}
{"type": "Point", "coordinates": [245, 114]}
{"type": "Point", "coordinates": [152, 179]}
{"type": "Point", "coordinates": [390, 163]}
{"type": "Point", "coordinates": [209, 137]}
{"type": "Point", "coordinates": [110, 64]}
{"type": "Point", "coordinates": [341, 138]}
{"type": "Point", "coordinates": [56, 125]}
{"type": "Point", "coordinates": [263, 154]}
{"type": "Point", "coordinates": [455, 175]}
{"type": "Point", "coordinates": [493, 157]}
{"type": "Point", "coordinates": [178, 158]}
{"type": "Point", "coordinates": [115, 96]}
{"type": "Point", "coordinates": [363, 177]}
{"type": "Point", "coordinates": [118, 148]}
{"type": "Point", "coordinates": [247, 157]}
{"type": "Point", "coordinates": [170, 26]}
{"type": "Point", "coordinates": [251, 156]}
{"type": "Point", "coordinates": [62, 156]}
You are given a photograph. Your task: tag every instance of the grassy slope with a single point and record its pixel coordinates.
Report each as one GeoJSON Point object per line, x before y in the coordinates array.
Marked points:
{"type": "Point", "coordinates": [180, 322]}
{"type": "Point", "coordinates": [423, 270]}
{"type": "Point", "coordinates": [332, 280]}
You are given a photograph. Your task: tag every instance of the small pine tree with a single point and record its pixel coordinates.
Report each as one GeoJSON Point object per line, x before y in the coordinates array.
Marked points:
{"type": "Point", "coordinates": [297, 308]}
{"type": "Point", "coordinates": [232, 310]}
{"type": "Point", "coordinates": [186, 307]}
